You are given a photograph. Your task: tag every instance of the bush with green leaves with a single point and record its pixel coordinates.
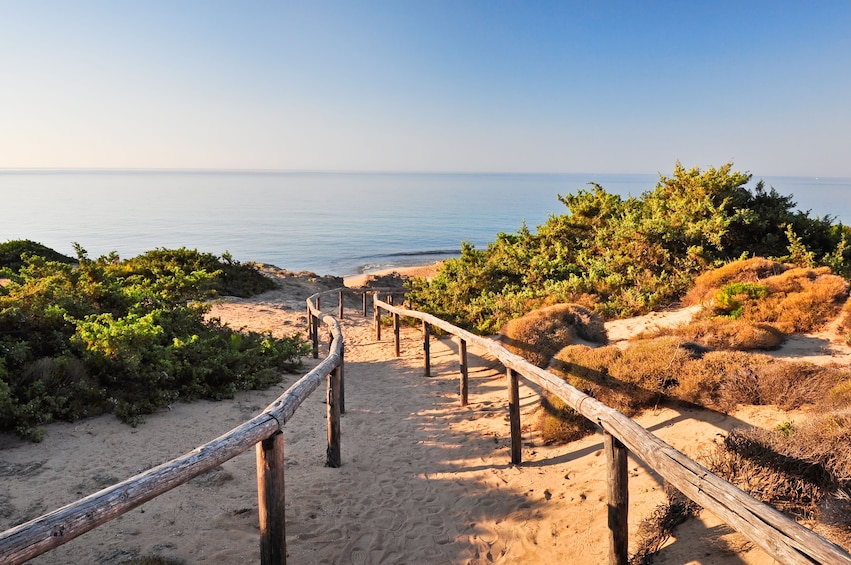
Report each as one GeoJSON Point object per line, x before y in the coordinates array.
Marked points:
{"type": "Point", "coordinates": [627, 256]}
{"type": "Point", "coordinates": [126, 337]}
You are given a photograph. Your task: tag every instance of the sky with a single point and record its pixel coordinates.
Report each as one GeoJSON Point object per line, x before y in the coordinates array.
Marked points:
{"type": "Point", "coordinates": [450, 86]}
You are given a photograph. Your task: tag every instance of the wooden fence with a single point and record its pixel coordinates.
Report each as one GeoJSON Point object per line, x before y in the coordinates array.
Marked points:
{"type": "Point", "coordinates": [264, 431]}
{"type": "Point", "coordinates": [779, 536]}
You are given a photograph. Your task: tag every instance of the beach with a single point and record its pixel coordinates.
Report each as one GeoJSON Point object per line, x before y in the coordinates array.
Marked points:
{"type": "Point", "coordinates": [423, 479]}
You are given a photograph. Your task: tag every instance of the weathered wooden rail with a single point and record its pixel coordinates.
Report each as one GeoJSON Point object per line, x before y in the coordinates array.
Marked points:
{"type": "Point", "coordinates": [264, 431]}
{"type": "Point", "coordinates": [779, 536]}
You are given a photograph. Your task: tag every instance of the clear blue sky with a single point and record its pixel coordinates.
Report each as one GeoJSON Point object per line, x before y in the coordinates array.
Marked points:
{"type": "Point", "coordinates": [628, 86]}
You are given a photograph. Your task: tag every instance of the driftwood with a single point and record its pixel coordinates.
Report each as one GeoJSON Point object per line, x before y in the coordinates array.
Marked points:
{"type": "Point", "coordinates": [778, 535]}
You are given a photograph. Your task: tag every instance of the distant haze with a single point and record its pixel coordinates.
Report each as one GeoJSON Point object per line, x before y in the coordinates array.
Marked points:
{"type": "Point", "coordinates": [473, 86]}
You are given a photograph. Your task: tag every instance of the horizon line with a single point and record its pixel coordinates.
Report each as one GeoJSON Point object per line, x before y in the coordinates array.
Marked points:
{"type": "Point", "coordinates": [7, 170]}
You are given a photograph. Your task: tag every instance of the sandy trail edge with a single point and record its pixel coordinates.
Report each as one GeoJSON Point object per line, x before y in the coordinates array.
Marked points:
{"type": "Point", "coordinates": [423, 480]}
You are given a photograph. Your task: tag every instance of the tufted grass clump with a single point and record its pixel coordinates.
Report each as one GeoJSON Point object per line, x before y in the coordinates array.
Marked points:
{"type": "Point", "coordinates": [791, 299]}
{"type": "Point", "coordinates": [723, 380]}
{"type": "Point", "coordinates": [540, 334]}
{"type": "Point", "coordinates": [559, 423]}
{"type": "Point", "coordinates": [726, 334]}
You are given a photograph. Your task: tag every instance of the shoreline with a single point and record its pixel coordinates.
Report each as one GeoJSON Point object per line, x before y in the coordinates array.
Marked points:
{"type": "Point", "coordinates": [416, 272]}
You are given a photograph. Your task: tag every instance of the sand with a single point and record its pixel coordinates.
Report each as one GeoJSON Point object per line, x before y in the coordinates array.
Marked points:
{"type": "Point", "coordinates": [423, 480]}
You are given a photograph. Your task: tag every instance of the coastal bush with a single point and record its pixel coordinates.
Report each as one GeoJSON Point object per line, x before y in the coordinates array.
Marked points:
{"type": "Point", "coordinates": [795, 299]}
{"type": "Point", "coordinates": [722, 333]}
{"type": "Point", "coordinates": [587, 369]}
{"type": "Point", "coordinates": [540, 334]}
{"type": "Point", "coordinates": [626, 256]}
{"type": "Point", "coordinates": [723, 380]}
{"type": "Point", "coordinates": [126, 337]}
{"type": "Point", "coordinates": [12, 253]}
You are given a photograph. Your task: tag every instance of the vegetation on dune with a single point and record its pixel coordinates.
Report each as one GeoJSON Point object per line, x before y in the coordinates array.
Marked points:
{"type": "Point", "coordinates": [540, 334]}
{"type": "Point", "coordinates": [126, 337]}
{"type": "Point", "coordinates": [626, 256]}
{"type": "Point", "coordinates": [761, 271]}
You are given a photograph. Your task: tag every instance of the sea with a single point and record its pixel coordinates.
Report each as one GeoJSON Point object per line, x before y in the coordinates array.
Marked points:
{"type": "Point", "coordinates": [329, 223]}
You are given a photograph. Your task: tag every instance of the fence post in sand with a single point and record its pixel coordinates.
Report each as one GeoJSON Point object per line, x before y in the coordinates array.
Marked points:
{"type": "Point", "coordinates": [341, 303]}
{"type": "Point", "coordinates": [462, 358]}
{"type": "Point", "coordinates": [377, 323]}
{"type": "Point", "coordinates": [397, 333]}
{"type": "Point", "coordinates": [342, 379]}
{"type": "Point", "coordinates": [270, 494]}
{"type": "Point", "coordinates": [363, 299]}
{"type": "Point", "coordinates": [342, 367]}
{"type": "Point", "coordinates": [332, 455]}
{"type": "Point", "coordinates": [514, 415]}
{"type": "Point", "coordinates": [315, 335]}
{"type": "Point", "coordinates": [618, 496]}
{"type": "Point", "coordinates": [426, 348]}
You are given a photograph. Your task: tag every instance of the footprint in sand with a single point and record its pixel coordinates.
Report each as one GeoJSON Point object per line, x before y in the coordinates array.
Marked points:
{"type": "Point", "coordinates": [359, 557]}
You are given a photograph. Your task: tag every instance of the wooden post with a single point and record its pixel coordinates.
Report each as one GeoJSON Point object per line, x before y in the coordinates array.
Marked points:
{"type": "Point", "coordinates": [315, 336]}
{"type": "Point", "coordinates": [618, 493]}
{"type": "Point", "coordinates": [377, 323]}
{"type": "Point", "coordinates": [462, 355]}
{"type": "Point", "coordinates": [363, 298]}
{"type": "Point", "coordinates": [270, 494]}
{"type": "Point", "coordinates": [332, 455]}
{"type": "Point", "coordinates": [341, 303]}
{"type": "Point", "coordinates": [426, 345]}
{"type": "Point", "coordinates": [397, 334]}
{"type": "Point", "coordinates": [514, 416]}
{"type": "Point", "coordinates": [342, 380]}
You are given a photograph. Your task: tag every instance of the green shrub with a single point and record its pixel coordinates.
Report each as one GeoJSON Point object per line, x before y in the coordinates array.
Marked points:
{"type": "Point", "coordinates": [12, 254]}
{"type": "Point", "coordinates": [729, 299]}
{"type": "Point", "coordinates": [628, 256]}
{"type": "Point", "coordinates": [126, 337]}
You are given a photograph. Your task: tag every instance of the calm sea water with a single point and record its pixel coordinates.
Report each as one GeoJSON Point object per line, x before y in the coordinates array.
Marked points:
{"type": "Point", "coordinates": [328, 223]}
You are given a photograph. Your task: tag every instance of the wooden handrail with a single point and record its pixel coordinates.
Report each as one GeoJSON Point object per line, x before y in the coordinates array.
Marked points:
{"type": "Point", "coordinates": [778, 535]}
{"type": "Point", "coordinates": [53, 529]}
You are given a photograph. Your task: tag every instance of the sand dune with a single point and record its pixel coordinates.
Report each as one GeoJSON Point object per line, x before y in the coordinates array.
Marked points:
{"type": "Point", "coordinates": [423, 480]}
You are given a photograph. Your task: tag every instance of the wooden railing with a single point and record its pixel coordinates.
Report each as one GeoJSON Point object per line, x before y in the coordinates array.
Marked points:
{"type": "Point", "coordinates": [779, 536]}
{"type": "Point", "coordinates": [264, 431]}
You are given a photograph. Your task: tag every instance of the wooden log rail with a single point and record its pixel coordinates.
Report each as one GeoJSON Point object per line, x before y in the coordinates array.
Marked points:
{"type": "Point", "coordinates": [779, 536]}
{"type": "Point", "coordinates": [264, 431]}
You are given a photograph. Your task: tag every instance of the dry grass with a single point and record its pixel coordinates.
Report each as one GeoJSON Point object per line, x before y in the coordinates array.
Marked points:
{"type": "Point", "coordinates": [748, 460]}
{"type": "Point", "coordinates": [750, 270]}
{"type": "Point", "coordinates": [654, 531]}
{"type": "Point", "coordinates": [845, 324]}
{"type": "Point", "coordinates": [558, 423]}
{"type": "Point", "coordinates": [795, 299]}
{"type": "Point", "coordinates": [628, 380]}
{"type": "Point", "coordinates": [540, 334]}
{"type": "Point", "coordinates": [587, 369]}
{"type": "Point", "coordinates": [724, 333]}
{"type": "Point", "coordinates": [722, 380]}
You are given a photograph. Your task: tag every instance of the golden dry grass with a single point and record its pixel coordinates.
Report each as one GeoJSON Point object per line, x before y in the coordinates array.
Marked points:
{"type": "Point", "coordinates": [722, 380]}
{"type": "Point", "coordinates": [795, 299]}
{"type": "Point", "coordinates": [540, 334]}
{"type": "Point", "coordinates": [724, 333]}
{"type": "Point", "coordinates": [750, 270]}
{"type": "Point", "coordinates": [627, 380]}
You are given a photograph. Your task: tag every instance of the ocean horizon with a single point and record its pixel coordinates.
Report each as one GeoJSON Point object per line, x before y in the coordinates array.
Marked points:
{"type": "Point", "coordinates": [338, 223]}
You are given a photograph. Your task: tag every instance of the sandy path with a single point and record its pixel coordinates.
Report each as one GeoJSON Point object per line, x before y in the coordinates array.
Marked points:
{"type": "Point", "coordinates": [423, 480]}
